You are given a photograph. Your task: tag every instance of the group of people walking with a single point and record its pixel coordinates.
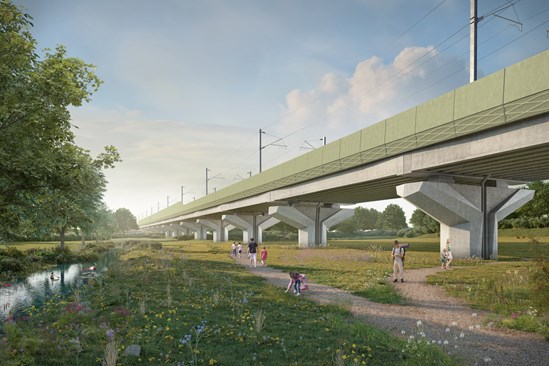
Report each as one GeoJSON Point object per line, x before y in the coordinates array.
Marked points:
{"type": "Point", "coordinates": [398, 254]}
{"type": "Point", "coordinates": [236, 253]}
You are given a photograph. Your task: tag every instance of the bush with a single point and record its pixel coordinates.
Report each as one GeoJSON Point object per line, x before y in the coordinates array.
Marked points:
{"type": "Point", "coordinates": [10, 265]}
{"type": "Point", "coordinates": [12, 252]}
{"type": "Point", "coordinates": [539, 275]}
{"type": "Point", "coordinates": [185, 237]}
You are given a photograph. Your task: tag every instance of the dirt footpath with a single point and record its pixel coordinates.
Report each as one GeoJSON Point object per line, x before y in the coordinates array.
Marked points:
{"type": "Point", "coordinates": [432, 315]}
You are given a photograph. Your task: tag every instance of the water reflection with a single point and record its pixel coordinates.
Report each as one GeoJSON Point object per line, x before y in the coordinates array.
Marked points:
{"type": "Point", "coordinates": [38, 287]}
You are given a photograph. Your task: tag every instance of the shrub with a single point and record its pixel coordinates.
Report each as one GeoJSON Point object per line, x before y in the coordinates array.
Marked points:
{"type": "Point", "coordinates": [10, 265]}
{"type": "Point", "coordinates": [12, 252]}
{"type": "Point", "coordinates": [539, 275]}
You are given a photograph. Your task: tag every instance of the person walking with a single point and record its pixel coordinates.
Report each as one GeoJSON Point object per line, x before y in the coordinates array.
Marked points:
{"type": "Point", "coordinates": [239, 247]}
{"type": "Point", "coordinates": [252, 252]}
{"type": "Point", "coordinates": [264, 257]}
{"type": "Point", "coordinates": [398, 267]}
{"type": "Point", "coordinates": [233, 250]}
{"type": "Point", "coordinates": [449, 257]}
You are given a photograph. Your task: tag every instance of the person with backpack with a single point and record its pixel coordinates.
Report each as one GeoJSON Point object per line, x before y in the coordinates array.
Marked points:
{"type": "Point", "coordinates": [252, 252]}
{"type": "Point", "coordinates": [398, 255]}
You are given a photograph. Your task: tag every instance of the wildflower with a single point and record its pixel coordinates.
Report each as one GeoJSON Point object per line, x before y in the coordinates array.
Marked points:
{"type": "Point", "coordinates": [402, 332]}
{"type": "Point", "coordinates": [474, 315]}
{"type": "Point", "coordinates": [110, 333]}
{"type": "Point", "coordinates": [461, 335]}
{"type": "Point", "coordinates": [447, 330]}
{"type": "Point", "coordinates": [487, 359]}
{"type": "Point", "coordinates": [186, 339]}
{"type": "Point", "coordinates": [419, 323]}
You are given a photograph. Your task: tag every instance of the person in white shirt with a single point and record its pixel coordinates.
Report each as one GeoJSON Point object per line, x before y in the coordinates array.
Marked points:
{"type": "Point", "coordinates": [398, 267]}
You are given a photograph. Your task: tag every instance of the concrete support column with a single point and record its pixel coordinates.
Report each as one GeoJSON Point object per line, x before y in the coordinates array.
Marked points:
{"type": "Point", "coordinates": [183, 230]}
{"type": "Point", "coordinates": [312, 221]}
{"type": "Point", "coordinates": [252, 226]}
{"type": "Point", "coordinates": [199, 230]}
{"type": "Point", "coordinates": [468, 214]}
{"type": "Point", "coordinates": [219, 228]}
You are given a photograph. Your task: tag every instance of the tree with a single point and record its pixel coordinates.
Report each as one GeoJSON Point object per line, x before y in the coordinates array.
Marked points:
{"type": "Point", "coordinates": [102, 225]}
{"type": "Point", "coordinates": [423, 223]}
{"type": "Point", "coordinates": [125, 220]}
{"type": "Point", "coordinates": [392, 218]}
{"type": "Point", "coordinates": [73, 203]}
{"type": "Point", "coordinates": [45, 179]}
{"type": "Point", "coordinates": [539, 205]}
{"type": "Point", "coordinates": [365, 218]}
{"type": "Point", "coordinates": [347, 226]}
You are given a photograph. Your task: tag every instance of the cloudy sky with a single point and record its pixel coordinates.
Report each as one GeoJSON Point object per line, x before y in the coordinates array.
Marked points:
{"type": "Point", "coordinates": [189, 83]}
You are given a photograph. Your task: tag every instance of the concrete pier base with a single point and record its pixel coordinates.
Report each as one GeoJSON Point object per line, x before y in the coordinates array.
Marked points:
{"type": "Point", "coordinates": [311, 220]}
{"type": "Point", "coordinates": [220, 229]}
{"type": "Point", "coordinates": [199, 230]}
{"type": "Point", "coordinates": [252, 226]}
{"type": "Point", "coordinates": [468, 214]}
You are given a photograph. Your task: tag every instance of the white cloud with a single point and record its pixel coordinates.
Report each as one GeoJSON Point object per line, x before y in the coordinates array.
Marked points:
{"type": "Point", "coordinates": [375, 90]}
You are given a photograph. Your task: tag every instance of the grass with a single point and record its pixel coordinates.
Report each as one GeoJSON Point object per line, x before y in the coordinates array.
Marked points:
{"type": "Point", "coordinates": [191, 305]}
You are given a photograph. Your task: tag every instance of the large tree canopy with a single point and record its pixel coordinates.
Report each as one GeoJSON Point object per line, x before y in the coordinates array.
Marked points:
{"type": "Point", "coordinates": [46, 180]}
{"type": "Point", "coordinates": [392, 218]}
{"type": "Point", "coordinates": [125, 220]}
{"type": "Point", "coordinates": [423, 223]}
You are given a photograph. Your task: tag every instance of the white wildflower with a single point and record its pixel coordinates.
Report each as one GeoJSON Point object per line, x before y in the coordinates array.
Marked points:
{"type": "Point", "coordinates": [447, 330]}
{"type": "Point", "coordinates": [461, 335]}
{"type": "Point", "coordinates": [419, 323]}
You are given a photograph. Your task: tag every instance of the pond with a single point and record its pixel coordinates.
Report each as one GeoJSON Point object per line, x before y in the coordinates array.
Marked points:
{"type": "Point", "coordinates": [38, 287]}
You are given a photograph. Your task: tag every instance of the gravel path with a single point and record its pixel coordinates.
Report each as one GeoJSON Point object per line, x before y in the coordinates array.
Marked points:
{"type": "Point", "coordinates": [438, 316]}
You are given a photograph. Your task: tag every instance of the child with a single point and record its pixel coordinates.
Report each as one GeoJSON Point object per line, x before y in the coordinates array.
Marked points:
{"type": "Point", "coordinates": [444, 259]}
{"type": "Point", "coordinates": [239, 246]}
{"type": "Point", "coordinates": [296, 280]}
{"type": "Point", "coordinates": [233, 250]}
{"type": "Point", "coordinates": [264, 257]}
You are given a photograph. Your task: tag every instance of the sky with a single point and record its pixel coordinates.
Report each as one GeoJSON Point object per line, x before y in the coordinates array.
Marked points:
{"type": "Point", "coordinates": [188, 84]}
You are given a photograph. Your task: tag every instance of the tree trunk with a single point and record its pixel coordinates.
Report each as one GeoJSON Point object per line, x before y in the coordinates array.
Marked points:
{"type": "Point", "coordinates": [62, 237]}
{"type": "Point", "coordinates": [83, 243]}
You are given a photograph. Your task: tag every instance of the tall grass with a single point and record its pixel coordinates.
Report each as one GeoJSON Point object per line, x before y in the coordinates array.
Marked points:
{"type": "Point", "coordinates": [249, 322]}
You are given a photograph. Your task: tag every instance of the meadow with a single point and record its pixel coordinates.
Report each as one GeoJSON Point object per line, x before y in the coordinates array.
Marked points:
{"type": "Point", "coordinates": [189, 303]}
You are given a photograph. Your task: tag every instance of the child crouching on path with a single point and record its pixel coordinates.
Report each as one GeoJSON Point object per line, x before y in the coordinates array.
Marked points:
{"type": "Point", "coordinates": [297, 281]}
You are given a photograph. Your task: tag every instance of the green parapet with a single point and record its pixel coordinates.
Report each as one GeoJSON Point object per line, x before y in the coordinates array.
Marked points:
{"type": "Point", "coordinates": [370, 147]}
{"type": "Point", "coordinates": [331, 159]}
{"type": "Point", "coordinates": [482, 95]}
{"type": "Point", "coordinates": [528, 77]}
{"type": "Point", "coordinates": [314, 158]}
{"type": "Point", "coordinates": [435, 120]}
{"type": "Point", "coordinates": [349, 150]}
{"type": "Point", "coordinates": [400, 132]}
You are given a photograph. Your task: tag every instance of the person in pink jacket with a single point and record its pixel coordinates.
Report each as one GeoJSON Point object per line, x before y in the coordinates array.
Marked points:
{"type": "Point", "coordinates": [264, 257]}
